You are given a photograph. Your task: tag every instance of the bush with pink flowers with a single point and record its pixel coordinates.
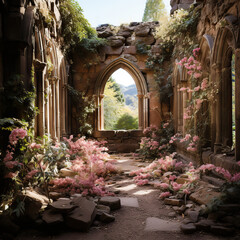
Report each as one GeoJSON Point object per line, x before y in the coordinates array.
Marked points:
{"type": "Point", "coordinates": [89, 161]}
{"type": "Point", "coordinates": [155, 143]}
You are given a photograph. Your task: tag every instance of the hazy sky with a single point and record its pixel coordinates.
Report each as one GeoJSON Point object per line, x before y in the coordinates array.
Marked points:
{"type": "Point", "coordinates": [114, 12]}
{"type": "Point", "coordinates": [123, 77]}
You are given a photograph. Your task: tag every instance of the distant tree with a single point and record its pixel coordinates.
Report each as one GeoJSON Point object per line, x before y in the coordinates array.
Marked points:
{"type": "Point", "coordinates": [116, 88]}
{"type": "Point", "coordinates": [154, 10]}
{"type": "Point", "coordinates": [127, 122]}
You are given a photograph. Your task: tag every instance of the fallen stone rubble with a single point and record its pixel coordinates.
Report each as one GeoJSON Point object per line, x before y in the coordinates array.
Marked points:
{"type": "Point", "coordinates": [76, 213]}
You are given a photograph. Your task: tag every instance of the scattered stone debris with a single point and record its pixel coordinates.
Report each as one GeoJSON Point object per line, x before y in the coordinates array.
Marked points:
{"type": "Point", "coordinates": [77, 213]}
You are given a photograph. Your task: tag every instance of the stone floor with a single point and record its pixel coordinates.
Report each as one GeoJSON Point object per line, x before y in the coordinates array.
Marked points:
{"type": "Point", "coordinates": [142, 216]}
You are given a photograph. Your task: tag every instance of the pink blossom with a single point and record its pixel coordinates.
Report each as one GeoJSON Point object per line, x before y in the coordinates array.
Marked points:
{"type": "Point", "coordinates": [165, 125]}
{"type": "Point", "coordinates": [196, 138]}
{"type": "Point", "coordinates": [17, 134]}
{"type": "Point", "coordinates": [11, 175]}
{"type": "Point", "coordinates": [164, 195]}
{"type": "Point", "coordinates": [182, 89]}
{"type": "Point", "coordinates": [238, 163]}
{"type": "Point", "coordinates": [11, 164]}
{"type": "Point", "coordinates": [164, 185]}
{"type": "Point", "coordinates": [186, 191]}
{"type": "Point", "coordinates": [197, 75]}
{"type": "Point", "coordinates": [198, 103]}
{"type": "Point", "coordinates": [31, 173]}
{"type": "Point", "coordinates": [190, 72]}
{"type": "Point", "coordinates": [236, 177]}
{"type": "Point", "coordinates": [8, 156]}
{"type": "Point", "coordinates": [172, 177]}
{"type": "Point", "coordinates": [176, 186]}
{"type": "Point", "coordinates": [204, 84]}
{"type": "Point", "coordinates": [35, 146]}
{"type": "Point", "coordinates": [196, 89]}
{"type": "Point", "coordinates": [191, 149]}
{"type": "Point", "coordinates": [142, 182]}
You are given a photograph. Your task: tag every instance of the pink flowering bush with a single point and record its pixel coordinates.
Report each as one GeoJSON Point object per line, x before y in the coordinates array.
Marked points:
{"type": "Point", "coordinates": [156, 141]}
{"type": "Point", "coordinates": [89, 161]}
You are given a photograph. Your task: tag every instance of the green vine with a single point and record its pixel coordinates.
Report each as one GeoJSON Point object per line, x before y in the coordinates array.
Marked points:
{"type": "Point", "coordinates": [84, 107]}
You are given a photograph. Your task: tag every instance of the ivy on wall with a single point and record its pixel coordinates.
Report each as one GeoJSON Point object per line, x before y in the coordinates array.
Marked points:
{"type": "Point", "coordinates": [177, 38]}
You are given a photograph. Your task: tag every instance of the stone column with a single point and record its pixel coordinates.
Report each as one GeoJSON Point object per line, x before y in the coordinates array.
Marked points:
{"type": "Point", "coordinates": [47, 106]}
{"type": "Point", "coordinates": [140, 111]}
{"type": "Point", "coordinates": [40, 68]}
{"type": "Point", "coordinates": [218, 141]}
{"type": "Point", "coordinates": [145, 111]}
{"type": "Point", "coordinates": [237, 103]}
{"type": "Point", "coordinates": [101, 112]}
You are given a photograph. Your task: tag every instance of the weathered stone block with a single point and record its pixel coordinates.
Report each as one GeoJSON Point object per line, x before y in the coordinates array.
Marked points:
{"type": "Point", "coordinates": [116, 41]}
{"type": "Point", "coordinates": [113, 51]}
{"type": "Point", "coordinates": [113, 202]}
{"type": "Point", "coordinates": [204, 196]}
{"type": "Point", "coordinates": [148, 40]}
{"type": "Point", "coordinates": [124, 34]}
{"type": "Point", "coordinates": [129, 50]}
{"type": "Point", "coordinates": [62, 205]}
{"type": "Point", "coordinates": [188, 228]}
{"type": "Point", "coordinates": [142, 30]}
{"type": "Point", "coordinates": [107, 218]}
{"type": "Point", "coordinates": [173, 202]}
{"type": "Point", "coordinates": [52, 217]}
{"type": "Point", "coordinates": [82, 216]}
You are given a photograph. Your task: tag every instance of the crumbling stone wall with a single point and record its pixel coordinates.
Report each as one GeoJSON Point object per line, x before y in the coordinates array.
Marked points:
{"type": "Point", "coordinates": [218, 33]}
{"type": "Point", "coordinates": [123, 50]}
{"type": "Point", "coordinates": [31, 49]}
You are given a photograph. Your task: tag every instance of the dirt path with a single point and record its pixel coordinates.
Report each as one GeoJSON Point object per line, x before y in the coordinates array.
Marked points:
{"type": "Point", "coordinates": [142, 215]}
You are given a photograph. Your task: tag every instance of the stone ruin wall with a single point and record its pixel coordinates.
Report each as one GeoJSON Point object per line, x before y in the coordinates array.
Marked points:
{"type": "Point", "coordinates": [122, 44]}
{"type": "Point", "coordinates": [30, 39]}
{"type": "Point", "coordinates": [218, 33]}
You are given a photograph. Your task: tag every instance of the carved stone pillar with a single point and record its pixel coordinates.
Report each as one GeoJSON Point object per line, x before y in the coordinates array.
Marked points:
{"type": "Point", "coordinates": [140, 111]}
{"type": "Point", "coordinates": [218, 80]}
{"type": "Point", "coordinates": [40, 68]}
{"type": "Point", "coordinates": [237, 103]}
{"type": "Point", "coordinates": [101, 112]}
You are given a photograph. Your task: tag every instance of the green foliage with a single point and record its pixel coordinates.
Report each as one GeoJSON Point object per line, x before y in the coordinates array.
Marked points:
{"type": "Point", "coordinates": [142, 48]}
{"type": "Point", "coordinates": [154, 9]}
{"type": "Point", "coordinates": [84, 107]}
{"type": "Point", "coordinates": [117, 90]}
{"type": "Point", "coordinates": [155, 142]}
{"type": "Point", "coordinates": [74, 25]}
{"type": "Point", "coordinates": [18, 101]}
{"type": "Point", "coordinates": [127, 122]}
{"type": "Point", "coordinates": [114, 105]}
{"type": "Point", "coordinates": [79, 37]}
{"type": "Point", "coordinates": [230, 195]}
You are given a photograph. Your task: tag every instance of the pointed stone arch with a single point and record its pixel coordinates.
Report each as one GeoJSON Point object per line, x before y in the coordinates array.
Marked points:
{"type": "Point", "coordinates": [142, 89]}
{"type": "Point", "coordinates": [225, 46]}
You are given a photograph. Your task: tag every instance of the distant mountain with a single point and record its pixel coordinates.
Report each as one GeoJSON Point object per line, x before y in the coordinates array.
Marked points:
{"type": "Point", "coordinates": [129, 90]}
{"type": "Point", "coordinates": [130, 95]}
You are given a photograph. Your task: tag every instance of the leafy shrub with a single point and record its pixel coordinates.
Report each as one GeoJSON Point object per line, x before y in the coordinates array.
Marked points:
{"type": "Point", "coordinates": [156, 141]}
{"type": "Point", "coordinates": [127, 122]}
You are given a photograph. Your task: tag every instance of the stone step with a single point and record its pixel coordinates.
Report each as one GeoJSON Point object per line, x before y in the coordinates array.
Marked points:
{"type": "Point", "coordinates": [213, 180]}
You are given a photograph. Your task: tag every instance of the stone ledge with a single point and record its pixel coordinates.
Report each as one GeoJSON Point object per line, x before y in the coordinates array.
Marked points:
{"type": "Point", "coordinates": [221, 160]}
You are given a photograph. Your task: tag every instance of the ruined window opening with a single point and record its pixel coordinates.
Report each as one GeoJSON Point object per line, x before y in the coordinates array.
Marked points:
{"type": "Point", "coordinates": [120, 102]}
{"type": "Point", "coordinates": [142, 92]}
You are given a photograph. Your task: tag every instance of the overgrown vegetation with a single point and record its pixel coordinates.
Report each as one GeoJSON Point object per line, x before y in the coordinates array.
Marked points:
{"type": "Point", "coordinates": [177, 37]}
{"type": "Point", "coordinates": [83, 108]}
{"type": "Point", "coordinates": [79, 37]}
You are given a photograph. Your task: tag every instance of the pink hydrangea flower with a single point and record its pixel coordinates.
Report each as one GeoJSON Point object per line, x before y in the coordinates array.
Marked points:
{"type": "Point", "coordinates": [164, 195]}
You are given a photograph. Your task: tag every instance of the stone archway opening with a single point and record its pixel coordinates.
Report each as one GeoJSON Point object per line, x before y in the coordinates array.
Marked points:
{"type": "Point", "coordinates": [120, 102]}
{"type": "Point", "coordinates": [142, 91]}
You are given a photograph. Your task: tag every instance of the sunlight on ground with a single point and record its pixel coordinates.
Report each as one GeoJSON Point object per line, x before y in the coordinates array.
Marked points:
{"type": "Point", "coordinates": [122, 160]}
{"type": "Point", "coordinates": [128, 188]}
{"type": "Point", "coordinates": [144, 192]}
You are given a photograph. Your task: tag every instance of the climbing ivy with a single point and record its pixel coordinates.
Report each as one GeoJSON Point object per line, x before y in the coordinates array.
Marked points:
{"type": "Point", "coordinates": [84, 107]}
{"type": "Point", "coordinates": [79, 37]}
{"type": "Point", "coordinates": [177, 37]}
